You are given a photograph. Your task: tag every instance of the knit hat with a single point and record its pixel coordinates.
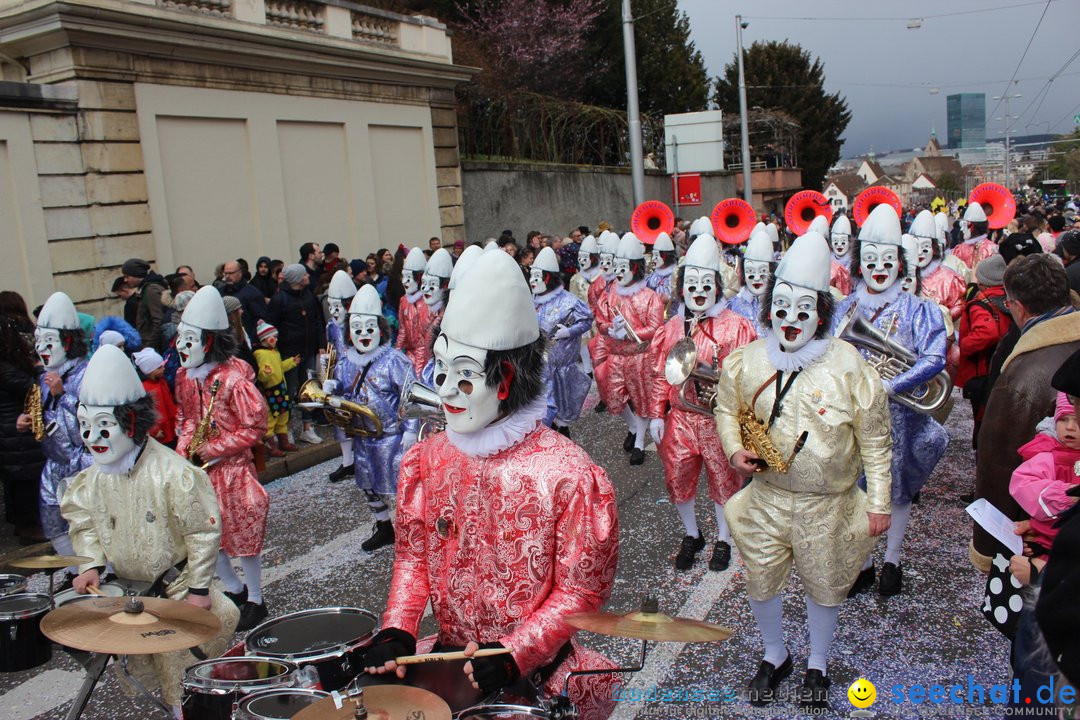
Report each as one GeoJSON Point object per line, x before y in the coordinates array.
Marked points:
{"type": "Point", "coordinates": [110, 337]}
{"type": "Point", "coordinates": [148, 360]}
{"type": "Point", "coordinates": [182, 299]}
{"type": "Point", "coordinates": [231, 304]}
{"type": "Point", "coordinates": [135, 268]}
{"type": "Point", "coordinates": [264, 330]}
{"type": "Point", "coordinates": [294, 273]}
{"type": "Point", "coordinates": [991, 271]}
{"type": "Point", "coordinates": [1017, 244]}
{"type": "Point", "coordinates": [1063, 407]}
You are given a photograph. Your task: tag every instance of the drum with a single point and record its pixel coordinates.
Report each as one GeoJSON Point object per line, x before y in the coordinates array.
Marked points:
{"type": "Point", "coordinates": [22, 644]}
{"type": "Point", "coordinates": [109, 589]}
{"type": "Point", "coordinates": [279, 704]}
{"type": "Point", "coordinates": [503, 712]}
{"type": "Point", "coordinates": [11, 584]}
{"type": "Point", "coordinates": [329, 641]}
{"type": "Point", "coordinates": [212, 687]}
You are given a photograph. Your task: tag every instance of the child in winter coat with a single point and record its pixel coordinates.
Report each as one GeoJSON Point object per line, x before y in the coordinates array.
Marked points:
{"type": "Point", "coordinates": [272, 371]}
{"type": "Point", "coordinates": [152, 369]}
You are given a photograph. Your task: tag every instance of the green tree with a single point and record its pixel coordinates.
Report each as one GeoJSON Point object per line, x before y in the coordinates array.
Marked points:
{"type": "Point", "coordinates": [949, 183]}
{"type": "Point", "coordinates": [783, 76]}
{"type": "Point", "coordinates": [1065, 161]}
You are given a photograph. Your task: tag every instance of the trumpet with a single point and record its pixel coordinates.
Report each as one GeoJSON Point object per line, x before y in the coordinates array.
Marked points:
{"type": "Point", "coordinates": [354, 419]}
{"type": "Point", "coordinates": [422, 402]}
{"type": "Point", "coordinates": [631, 334]}
{"type": "Point", "coordinates": [325, 370]}
{"type": "Point", "coordinates": [682, 369]}
{"type": "Point", "coordinates": [32, 407]}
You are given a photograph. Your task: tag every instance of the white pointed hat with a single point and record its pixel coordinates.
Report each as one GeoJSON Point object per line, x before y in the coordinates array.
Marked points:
{"type": "Point", "coordinates": [760, 226]}
{"type": "Point", "coordinates": [491, 245]}
{"type": "Point", "coordinates": [206, 310]}
{"type": "Point", "coordinates": [58, 313]}
{"type": "Point", "coordinates": [703, 253]}
{"type": "Point", "coordinates": [910, 244]}
{"type": "Point", "coordinates": [774, 232]}
{"type": "Point", "coordinates": [807, 263]}
{"type": "Point", "coordinates": [547, 261]}
{"type": "Point", "coordinates": [366, 302]}
{"type": "Point", "coordinates": [609, 242]}
{"type": "Point", "coordinates": [440, 264]}
{"type": "Point", "coordinates": [341, 286]}
{"type": "Point", "coordinates": [630, 248]}
{"type": "Point", "coordinates": [663, 243]}
{"type": "Point", "coordinates": [882, 226]}
{"type": "Point", "coordinates": [975, 213]}
{"type": "Point", "coordinates": [588, 245]}
{"type": "Point", "coordinates": [760, 247]}
{"type": "Point", "coordinates": [841, 226]}
{"type": "Point", "coordinates": [941, 220]}
{"type": "Point", "coordinates": [701, 226]}
{"type": "Point", "coordinates": [415, 261]}
{"type": "Point", "coordinates": [820, 225]}
{"type": "Point", "coordinates": [464, 262]}
{"type": "Point", "coordinates": [110, 379]}
{"type": "Point", "coordinates": [924, 225]}
{"type": "Point", "coordinates": [492, 307]}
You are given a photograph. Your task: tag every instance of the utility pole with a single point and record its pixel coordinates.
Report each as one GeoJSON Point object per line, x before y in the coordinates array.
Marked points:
{"type": "Point", "coordinates": [633, 113]}
{"type": "Point", "coordinates": [1008, 117]}
{"type": "Point", "coordinates": [744, 125]}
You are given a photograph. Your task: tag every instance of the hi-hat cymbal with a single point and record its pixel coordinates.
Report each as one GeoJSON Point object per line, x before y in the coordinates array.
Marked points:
{"type": "Point", "coordinates": [48, 562]}
{"type": "Point", "coordinates": [102, 625]}
{"type": "Point", "coordinates": [386, 702]}
{"type": "Point", "coordinates": [655, 626]}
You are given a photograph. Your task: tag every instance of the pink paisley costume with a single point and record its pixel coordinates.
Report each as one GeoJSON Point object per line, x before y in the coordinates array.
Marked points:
{"type": "Point", "coordinates": [945, 287]}
{"type": "Point", "coordinates": [414, 330]}
{"type": "Point", "coordinates": [690, 438]}
{"type": "Point", "coordinates": [840, 278]}
{"type": "Point", "coordinates": [239, 423]}
{"type": "Point", "coordinates": [630, 374]}
{"type": "Point", "coordinates": [504, 542]}
{"type": "Point", "coordinates": [972, 252]}
{"type": "Point", "coordinates": [599, 292]}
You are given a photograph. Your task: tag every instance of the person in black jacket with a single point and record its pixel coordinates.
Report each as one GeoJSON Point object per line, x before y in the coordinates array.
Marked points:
{"type": "Point", "coordinates": [21, 459]}
{"type": "Point", "coordinates": [298, 316]}
{"type": "Point", "coordinates": [150, 310]}
{"type": "Point", "coordinates": [251, 298]}
{"type": "Point", "coordinates": [263, 281]}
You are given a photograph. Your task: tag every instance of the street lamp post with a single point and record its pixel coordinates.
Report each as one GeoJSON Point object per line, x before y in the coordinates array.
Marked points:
{"type": "Point", "coordinates": [1006, 97]}
{"type": "Point", "coordinates": [633, 113]}
{"type": "Point", "coordinates": [744, 125]}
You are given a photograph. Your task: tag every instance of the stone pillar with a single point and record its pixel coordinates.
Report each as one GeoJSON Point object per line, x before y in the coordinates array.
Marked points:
{"type": "Point", "coordinates": [447, 166]}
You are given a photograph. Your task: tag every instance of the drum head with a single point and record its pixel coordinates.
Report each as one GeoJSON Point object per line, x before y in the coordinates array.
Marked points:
{"type": "Point", "coordinates": [231, 673]}
{"type": "Point", "coordinates": [10, 584]}
{"type": "Point", "coordinates": [503, 712]}
{"type": "Point", "coordinates": [310, 634]}
{"type": "Point", "coordinates": [277, 704]}
{"type": "Point", "coordinates": [70, 595]}
{"type": "Point", "coordinates": [24, 605]}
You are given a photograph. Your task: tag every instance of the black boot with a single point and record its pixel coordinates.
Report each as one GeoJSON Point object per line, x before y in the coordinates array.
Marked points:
{"type": "Point", "coordinates": [688, 551]}
{"type": "Point", "coordinates": [763, 686]}
{"type": "Point", "coordinates": [637, 457]}
{"type": "Point", "coordinates": [721, 556]}
{"type": "Point", "coordinates": [628, 441]}
{"type": "Point", "coordinates": [865, 581]}
{"type": "Point", "coordinates": [383, 536]}
{"type": "Point", "coordinates": [892, 580]}
{"type": "Point", "coordinates": [341, 473]}
{"type": "Point", "coordinates": [814, 694]}
{"type": "Point", "coordinates": [239, 598]}
{"type": "Point", "coordinates": [562, 430]}
{"type": "Point", "coordinates": [600, 407]}
{"type": "Point", "coordinates": [251, 615]}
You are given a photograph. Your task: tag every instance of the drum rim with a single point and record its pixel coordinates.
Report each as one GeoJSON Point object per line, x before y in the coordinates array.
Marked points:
{"type": "Point", "coordinates": [17, 587]}
{"type": "Point", "coordinates": [68, 591]}
{"type": "Point", "coordinates": [203, 685]}
{"type": "Point", "coordinates": [240, 706]}
{"type": "Point", "coordinates": [8, 616]}
{"type": "Point", "coordinates": [531, 710]}
{"type": "Point", "coordinates": [312, 656]}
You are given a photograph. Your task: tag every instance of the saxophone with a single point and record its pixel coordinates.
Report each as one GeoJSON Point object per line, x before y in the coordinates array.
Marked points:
{"type": "Point", "coordinates": [755, 438]}
{"type": "Point", "coordinates": [32, 407]}
{"type": "Point", "coordinates": [202, 431]}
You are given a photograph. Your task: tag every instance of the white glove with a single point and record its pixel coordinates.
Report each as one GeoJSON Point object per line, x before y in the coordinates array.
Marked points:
{"type": "Point", "coordinates": [619, 333]}
{"type": "Point", "coordinates": [330, 386]}
{"type": "Point", "coordinates": [656, 429]}
{"type": "Point", "coordinates": [561, 333]}
{"type": "Point", "coordinates": [408, 439]}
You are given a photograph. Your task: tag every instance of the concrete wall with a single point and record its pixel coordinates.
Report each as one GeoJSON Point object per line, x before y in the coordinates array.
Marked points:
{"type": "Point", "coordinates": [556, 198]}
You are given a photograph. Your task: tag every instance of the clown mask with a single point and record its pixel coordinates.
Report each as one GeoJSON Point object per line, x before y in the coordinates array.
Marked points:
{"type": "Point", "coordinates": [365, 333]}
{"type": "Point", "coordinates": [337, 310]}
{"type": "Point", "coordinates": [50, 348]}
{"type": "Point", "coordinates": [102, 435]}
{"type": "Point", "coordinates": [926, 251]}
{"type": "Point", "coordinates": [624, 274]}
{"type": "Point", "coordinates": [607, 265]}
{"type": "Point", "coordinates": [756, 274]}
{"type": "Point", "coordinates": [584, 261]}
{"type": "Point", "coordinates": [794, 315]}
{"type": "Point", "coordinates": [965, 229]}
{"type": "Point", "coordinates": [841, 243]}
{"type": "Point", "coordinates": [190, 347]}
{"type": "Point", "coordinates": [700, 289]}
{"type": "Point", "coordinates": [408, 279]}
{"type": "Point", "coordinates": [536, 281]}
{"type": "Point", "coordinates": [908, 283]}
{"type": "Point", "coordinates": [468, 403]}
{"type": "Point", "coordinates": [657, 260]}
{"type": "Point", "coordinates": [432, 288]}
{"type": "Point", "coordinates": [880, 265]}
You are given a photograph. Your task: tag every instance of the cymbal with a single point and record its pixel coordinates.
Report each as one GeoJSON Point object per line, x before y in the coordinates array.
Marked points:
{"type": "Point", "coordinates": [102, 625]}
{"type": "Point", "coordinates": [654, 626]}
{"type": "Point", "coordinates": [386, 702]}
{"type": "Point", "coordinates": [48, 562]}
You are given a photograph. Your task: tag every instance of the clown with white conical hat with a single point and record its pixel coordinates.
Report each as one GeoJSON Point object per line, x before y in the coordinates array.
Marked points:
{"type": "Point", "coordinates": [690, 438]}
{"type": "Point", "coordinates": [976, 246]}
{"type": "Point", "coordinates": [338, 296]}
{"type": "Point", "coordinates": [144, 509]}
{"type": "Point", "coordinates": [599, 299]}
{"type": "Point", "coordinates": [209, 372]}
{"type": "Point", "coordinates": [918, 440]}
{"type": "Point", "coordinates": [414, 315]}
{"type": "Point", "coordinates": [757, 268]}
{"type": "Point", "coordinates": [839, 275]}
{"type": "Point", "coordinates": [824, 410]}
{"type": "Point", "coordinates": [939, 283]}
{"type": "Point", "coordinates": [61, 346]}
{"type": "Point", "coordinates": [664, 262]}
{"type": "Point", "coordinates": [497, 480]}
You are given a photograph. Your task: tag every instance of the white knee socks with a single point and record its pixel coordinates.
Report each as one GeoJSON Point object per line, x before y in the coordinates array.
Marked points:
{"type": "Point", "coordinates": [894, 536]}
{"type": "Point", "coordinates": [346, 453]}
{"type": "Point", "coordinates": [253, 577]}
{"type": "Point", "coordinates": [225, 572]}
{"type": "Point", "coordinates": [822, 622]}
{"type": "Point", "coordinates": [769, 617]}
{"type": "Point", "coordinates": [378, 507]}
{"type": "Point", "coordinates": [689, 518]}
{"type": "Point", "coordinates": [723, 534]}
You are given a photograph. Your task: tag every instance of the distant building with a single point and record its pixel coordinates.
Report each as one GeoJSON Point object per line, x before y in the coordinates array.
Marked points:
{"type": "Point", "coordinates": [966, 114]}
{"type": "Point", "coordinates": [841, 190]}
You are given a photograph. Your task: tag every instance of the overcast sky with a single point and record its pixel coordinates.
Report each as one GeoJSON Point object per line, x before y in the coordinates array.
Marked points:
{"type": "Point", "coordinates": [886, 71]}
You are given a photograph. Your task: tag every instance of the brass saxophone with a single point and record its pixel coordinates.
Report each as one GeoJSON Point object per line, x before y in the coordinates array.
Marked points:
{"type": "Point", "coordinates": [755, 438]}
{"type": "Point", "coordinates": [202, 431]}
{"type": "Point", "coordinates": [32, 407]}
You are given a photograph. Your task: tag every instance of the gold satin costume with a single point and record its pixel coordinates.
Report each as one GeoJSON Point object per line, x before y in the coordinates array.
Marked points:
{"type": "Point", "coordinates": [144, 522]}
{"type": "Point", "coordinates": [815, 515]}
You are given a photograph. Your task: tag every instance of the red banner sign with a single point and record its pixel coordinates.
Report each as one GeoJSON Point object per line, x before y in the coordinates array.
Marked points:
{"type": "Point", "coordinates": [686, 189]}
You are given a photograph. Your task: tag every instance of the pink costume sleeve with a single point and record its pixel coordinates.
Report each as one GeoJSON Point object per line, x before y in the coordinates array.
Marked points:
{"type": "Point", "coordinates": [185, 423]}
{"type": "Point", "coordinates": [662, 342]}
{"type": "Point", "coordinates": [248, 410]}
{"type": "Point", "coordinates": [409, 586]}
{"type": "Point", "coordinates": [1036, 488]}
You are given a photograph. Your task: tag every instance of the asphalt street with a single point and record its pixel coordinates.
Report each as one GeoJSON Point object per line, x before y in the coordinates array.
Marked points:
{"type": "Point", "coordinates": [932, 633]}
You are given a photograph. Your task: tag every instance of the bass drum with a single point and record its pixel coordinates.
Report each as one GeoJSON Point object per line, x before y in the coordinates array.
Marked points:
{"type": "Point", "coordinates": [212, 687]}
{"type": "Point", "coordinates": [280, 704]}
{"type": "Point", "coordinates": [22, 644]}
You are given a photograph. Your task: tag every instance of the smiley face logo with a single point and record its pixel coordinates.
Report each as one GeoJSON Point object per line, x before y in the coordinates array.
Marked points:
{"type": "Point", "coordinates": [862, 693]}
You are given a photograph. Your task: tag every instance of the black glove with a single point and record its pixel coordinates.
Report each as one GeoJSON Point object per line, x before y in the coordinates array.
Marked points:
{"type": "Point", "coordinates": [496, 671]}
{"type": "Point", "coordinates": [387, 645]}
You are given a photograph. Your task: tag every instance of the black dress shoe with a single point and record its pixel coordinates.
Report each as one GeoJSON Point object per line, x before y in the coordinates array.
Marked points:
{"type": "Point", "coordinates": [637, 457]}
{"type": "Point", "coordinates": [763, 685]}
{"type": "Point", "coordinates": [967, 498]}
{"type": "Point", "coordinates": [865, 581]}
{"type": "Point", "coordinates": [600, 407]}
{"type": "Point", "coordinates": [383, 536]}
{"type": "Point", "coordinates": [343, 471]}
{"type": "Point", "coordinates": [892, 579]}
{"type": "Point", "coordinates": [251, 615]}
{"type": "Point", "coordinates": [562, 430]}
{"type": "Point", "coordinates": [721, 556]}
{"type": "Point", "coordinates": [628, 441]}
{"type": "Point", "coordinates": [814, 693]}
{"type": "Point", "coordinates": [688, 551]}
{"type": "Point", "coordinates": [238, 598]}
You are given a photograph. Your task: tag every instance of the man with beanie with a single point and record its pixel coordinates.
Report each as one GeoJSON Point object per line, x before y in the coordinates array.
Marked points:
{"type": "Point", "coordinates": [148, 289]}
{"type": "Point", "coordinates": [298, 316]}
{"type": "Point", "coordinates": [1068, 248]}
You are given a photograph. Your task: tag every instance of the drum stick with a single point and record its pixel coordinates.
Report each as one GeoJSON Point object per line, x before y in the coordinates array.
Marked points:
{"type": "Point", "coordinates": [433, 657]}
{"type": "Point", "coordinates": [93, 590]}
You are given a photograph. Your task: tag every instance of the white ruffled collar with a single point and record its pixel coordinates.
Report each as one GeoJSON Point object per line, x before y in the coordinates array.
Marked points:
{"type": "Point", "coordinates": [547, 297]}
{"type": "Point", "coordinates": [792, 361]}
{"type": "Point", "coordinates": [664, 271]}
{"type": "Point", "coordinates": [713, 312]}
{"type": "Point", "coordinates": [364, 359]}
{"type": "Point", "coordinates": [591, 273]}
{"type": "Point", "coordinates": [437, 307]}
{"type": "Point", "coordinates": [872, 301]}
{"type": "Point", "coordinates": [842, 259]}
{"type": "Point", "coordinates": [412, 297]}
{"type": "Point", "coordinates": [629, 290]}
{"type": "Point", "coordinates": [747, 296]}
{"type": "Point", "coordinates": [931, 268]}
{"type": "Point", "coordinates": [503, 434]}
{"type": "Point", "coordinates": [973, 240]}
{"type": "Point", "coordinates": [124, 464]}
{"type": "Point", "coordinates": [200, 373]}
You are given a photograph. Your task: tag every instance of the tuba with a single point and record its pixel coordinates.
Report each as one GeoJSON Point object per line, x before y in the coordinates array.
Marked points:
{"type": "Point", "coordinates": [32, 407]}
{"type": "Point", "coordinates": [354, 419]}
{"type": "Point", "coordinates": [803, 207]}
{"type": "Point", "coordinates": [420, 401]}
{"type": "Point", "coordinates": [651, 218]}
{"type": "Point", "coordinates": [682, 369]}
{"type": "Point", "coordinates": [732, 221]}
{"type": "Point", "coordinates": [891, 359]}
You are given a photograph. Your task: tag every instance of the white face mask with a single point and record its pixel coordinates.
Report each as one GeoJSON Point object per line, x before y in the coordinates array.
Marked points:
{"type": "Point", "coordinates": [880, 265]}
{"type": "Point", "coordinates": [536, 281]}
{"type": "Point", "coordinates": [907, 283]}
{"type": "Point", "coordinates": [926, 251]}
{"type": "Point", "coordinates": [189, 345]}
{"type": "Point", "coordinates": [365, 333]}
{"type": "Point", "coordinates": [102, 435]}
{"type": "Point", "coordinates": [757, 274]}
{"type": "Point", "coordinates": [50, 348]}
{"type": "Point", "coordinates": [794, 315]}
{"type": "Point", "coordinates": [431, 286]}
{"type": "Point", "coordinates": [623, 274]}
{"type": "Point", "coordinates": [607, 264]}
{"type": "Point", "coordinates": [657, 261]}
{"type": "Point", "coordinates": [841, 243]}
{"type": "Point", "coordinates": [468, 403]}
{"type": "Point", "coordinates": [965, 229]}
{"type": "Point", "coordinates": [584, 261]}
{"type": "Point", "coordinates": [700, 289]}
{"type": "Point", "coordinates": [337, 310]}
{"type": "Point", "coordinates": [408, 279]}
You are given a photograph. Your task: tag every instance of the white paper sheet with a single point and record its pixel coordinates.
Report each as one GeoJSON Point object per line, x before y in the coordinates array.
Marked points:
{"type": "Point", "coordinates": [994, 522]}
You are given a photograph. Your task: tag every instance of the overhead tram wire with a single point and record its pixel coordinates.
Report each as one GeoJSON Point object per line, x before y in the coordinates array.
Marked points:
{"type": "Point", "coordinates": [897, 19]}
{"type": "Point", "coordinates": [1045, 90]}
{"type": "Point", "coordinates": [1031, 39]}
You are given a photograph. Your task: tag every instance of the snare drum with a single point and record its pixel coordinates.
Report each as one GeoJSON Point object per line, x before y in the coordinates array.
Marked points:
{"type": "Point", "coordinates": [212, 687]}
{"type": "Point", "coordinates": [22, 644]}
{"type": "Point", "coordinates": [328, 640]}
{"type": "Point", "coordinates": [11, 584]}
{"type": "Point", "coordinates": [279, 704]}
{"type": "Point", "coordinates": [109, 589]}
{"type": "Point", "coordinates": [503, 712]}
